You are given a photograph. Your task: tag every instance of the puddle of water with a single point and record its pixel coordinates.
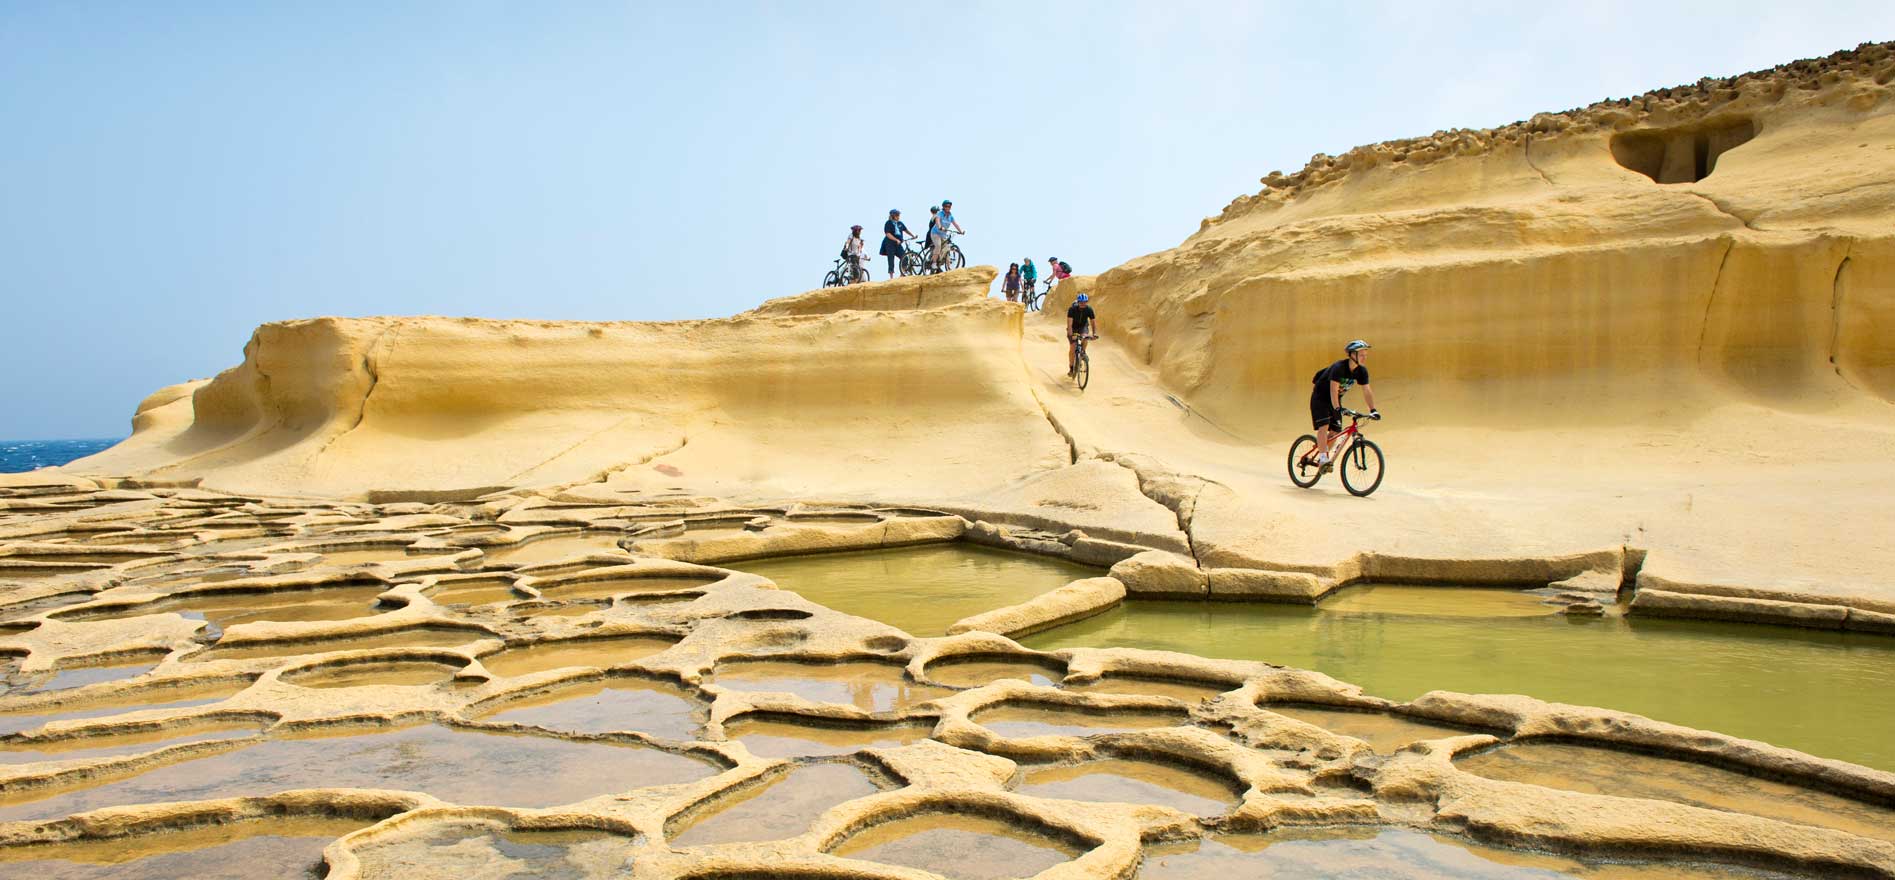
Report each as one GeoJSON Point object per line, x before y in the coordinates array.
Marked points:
{"type": "Point", "coordinates": [124, 744]}
{"type": "Point", "coordinates": [576, 609]}
{"type": "Point", "coordinates": [1190, 692]}
{"type": "Point", "coordinates": [1133, 782]}
{"type": "Point", "coordinates": [566, 653]}
{"type": "Point", "coordinates": [367, 555]}
{"type": "Point", "coordinates": [466, 853]}
{"type": "Point", "coordinates": [785, 807]}
{"type": "Point", "coordinates": [958, 846]}
{"type": "Point", "coordinates": [82, 558]}
{"type": "Point", "coordinates": [482, 591]}
{"type": "Point", "coordinates": [607, 589]}
{"type": "Point", "coordinates": [396, 672]}
{"type": "Point", "coordinates": [80, 676]}
{"type": "Point", "coordinates": [1484, 603]}
{"type": "Point", "coordinates": [1626, 774]}
{"type": "Point", "coordinates": [1826, 693]}
{"type": "Point", "coordinates": [1394, 854]}
{"type": "Point", "coordinates": [614, 704]}
{"type": "Point", "coordinates": [922, 590]}
{"type": "Point", "coordinates": [227, 609]}
{"type": "Point", "coordinates": [20, 570]}
{"type": "Point", "coordinates": [1384, 732]}
{"type": "Point", "coordinates": [869, 686]}
{"type": "Point", "coordinates": [255, 850]}
{"type": "Point", "coordinates": [167, 698]}
{"type": "Point", "coordinates": [426, 637]}
{"type": "Point", "coordinates": [974, 673]}
{"type": "Point", "coordinates": [1016, 720]}
{"type": "Point", "coordinates": [555, 547]}
{"type": "Point", "coordinates": [460, 766]}
{"type": "Point", "coordinates": [31, 607]}
{"type": "Point", "coordinates": [774, 738]}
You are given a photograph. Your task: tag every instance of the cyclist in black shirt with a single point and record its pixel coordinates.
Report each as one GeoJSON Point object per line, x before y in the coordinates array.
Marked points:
{"type": "Point", "coordinates": [1080, 321]}
{"type": "Point", "coordinates": [1325, 396]}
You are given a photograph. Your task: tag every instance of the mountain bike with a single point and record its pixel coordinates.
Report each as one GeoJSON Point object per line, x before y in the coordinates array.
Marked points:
{"type": "Point", "coordinates": [845, 274]}
{"type": "Point", "coordinates": [914, 258]}
{"type": "Point", "coordinates": [1082, 364]}
{"type": "Point", "coordinates": [954, 259]}
{"type": "Point", "coordinates": [1031, 298]}
{"type": "Point", "coordinates": [1358, 457]}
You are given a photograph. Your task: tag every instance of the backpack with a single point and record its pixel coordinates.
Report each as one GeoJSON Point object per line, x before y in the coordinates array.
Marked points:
{"type": "Point", "coordinates": [1065, 267]}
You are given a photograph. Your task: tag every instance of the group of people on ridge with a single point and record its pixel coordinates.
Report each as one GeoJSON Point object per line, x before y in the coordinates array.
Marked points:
{"type": "Point", "coordinates": [1023, 275]}
{"type": "Point", "coordinates": [895, 235]}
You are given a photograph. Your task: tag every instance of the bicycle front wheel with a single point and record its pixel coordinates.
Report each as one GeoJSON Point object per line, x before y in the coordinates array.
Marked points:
{"type": "Point", "coordinates": [833, 279]}
{"type": "Point", "coordinates": [1084, 374]}
{"type": "Point", "coordinates": [1304, 471]}
{"type": "Point", "coordinates": [956, 259]}
{"type": "Point", "coordinates": [1361, 468]}
{"type": "Point", "coordinates": [910, 264]}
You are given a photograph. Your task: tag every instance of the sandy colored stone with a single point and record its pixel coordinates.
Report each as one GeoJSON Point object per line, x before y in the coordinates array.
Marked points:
{"type": "Point", "coordinates": [1075, 601]}
{"type": "Point", "coordinates": [1660, 603]}
{"type": "Point", "coordinates": [1255, 585]}
{"type": "Point", "coordinates": [1159, 573]}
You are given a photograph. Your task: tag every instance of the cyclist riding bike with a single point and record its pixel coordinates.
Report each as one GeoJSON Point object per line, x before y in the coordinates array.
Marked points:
{"type": "Point", "coordinates": [1081, 321]}
{"type": "Point", "coordinates": [1325, 397]}
{"type": "Point", "coordinates": [1029, 276]}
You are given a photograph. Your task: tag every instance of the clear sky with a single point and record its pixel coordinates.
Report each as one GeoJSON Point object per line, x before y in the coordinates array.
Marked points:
{"type": "Point", "coordinates": [173, 174]}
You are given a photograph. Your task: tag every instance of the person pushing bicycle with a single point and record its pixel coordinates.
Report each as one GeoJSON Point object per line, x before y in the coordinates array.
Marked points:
{"type": "Point", "coordinates": [1081, 322]}
{"type": "Point", "coordinates": [1325, 396]}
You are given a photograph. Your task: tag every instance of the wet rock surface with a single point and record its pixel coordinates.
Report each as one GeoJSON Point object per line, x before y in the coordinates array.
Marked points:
{"type": "Point", "coordinates": [420, 703]}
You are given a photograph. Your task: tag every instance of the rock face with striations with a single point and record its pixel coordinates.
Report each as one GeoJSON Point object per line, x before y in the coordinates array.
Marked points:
{"type": "Point", "coordinates": [1730, 239]}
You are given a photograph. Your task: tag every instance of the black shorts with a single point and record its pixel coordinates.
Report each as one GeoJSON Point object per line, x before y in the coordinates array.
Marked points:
{"type": "Point", "coordinates": [1320, 416]}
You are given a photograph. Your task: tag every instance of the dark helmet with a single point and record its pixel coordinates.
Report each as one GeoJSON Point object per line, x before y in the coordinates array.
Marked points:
{"type": "Point", "coordinates": [893, 211]}
{"type": "Point", "coordinates": [856, 228]}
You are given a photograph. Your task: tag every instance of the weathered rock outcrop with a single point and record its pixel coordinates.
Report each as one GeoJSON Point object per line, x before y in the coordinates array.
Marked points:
{"type": "Point", "coordinates": [845, 402]}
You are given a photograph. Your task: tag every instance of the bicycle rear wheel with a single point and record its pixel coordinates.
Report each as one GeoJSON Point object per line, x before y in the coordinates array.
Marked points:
{"type": "Point", "coordinates": [1084, 373]}
{"type": "Point", "coordinates": [1304, 473]}
{"type": "Point", "coordinates": [833, 279]}
{"type": "Point", "coordinates": [1361, 468]}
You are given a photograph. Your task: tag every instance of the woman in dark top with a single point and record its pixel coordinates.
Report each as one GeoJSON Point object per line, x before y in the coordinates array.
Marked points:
{"type": "Point", "coordinates": [894, 232]}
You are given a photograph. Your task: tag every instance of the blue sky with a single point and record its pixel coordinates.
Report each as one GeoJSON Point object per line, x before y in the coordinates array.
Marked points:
{"type": "Point", "coordinates": [173, 174]}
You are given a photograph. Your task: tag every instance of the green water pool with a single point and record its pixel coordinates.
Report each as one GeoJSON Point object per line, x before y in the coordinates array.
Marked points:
{"type": "Point", "coordinates": [920, 590]}
{"type": "Point", "coordinates": [1830, 694]}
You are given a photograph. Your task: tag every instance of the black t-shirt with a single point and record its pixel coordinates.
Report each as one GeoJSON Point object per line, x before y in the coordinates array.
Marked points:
{"type": "Point", "coordinates": [897, 229]}
{"type": "Point", "coordinates": [1080, 316]}
{"type": "Point", "coordinates": [1343, 371]}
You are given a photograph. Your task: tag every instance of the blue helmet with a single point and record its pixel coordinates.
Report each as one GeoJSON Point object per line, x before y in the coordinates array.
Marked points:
{"type": "Point", "coordinates": [893, 211]}
{"type": "Point", "coordinates": [946, 202]}
{"type": "Point", "coordinates": [1082, 297]}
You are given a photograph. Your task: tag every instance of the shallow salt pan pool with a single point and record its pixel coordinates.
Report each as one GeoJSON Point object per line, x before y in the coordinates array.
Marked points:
{"type": "Point", "coordinates": [1831, 694]}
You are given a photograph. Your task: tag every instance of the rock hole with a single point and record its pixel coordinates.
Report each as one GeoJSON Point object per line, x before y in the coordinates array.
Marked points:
{"type": "Point", "coordinates": [1680, 155]}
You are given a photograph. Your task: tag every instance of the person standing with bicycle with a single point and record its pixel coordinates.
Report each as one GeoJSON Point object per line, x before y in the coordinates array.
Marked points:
{"type": "Point", "coordinates": [1029, 275]}
{"type": "Point", "coordinates": [1081, 321]}
{"type": "Point", "coordinates": [852, 248]}
{"type": "Point", "coordinates": [894, 232]}
{"type": "Point", "coordinates": [938, 238]}
{"type": "Point", "coordinates": [1325, 397]}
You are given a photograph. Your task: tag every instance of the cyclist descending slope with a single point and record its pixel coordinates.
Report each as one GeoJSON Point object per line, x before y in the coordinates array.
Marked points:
{"type": "Point", "coordinates": [1081, 321]}
{"type": "Point", "coordinates": [1325, 396]}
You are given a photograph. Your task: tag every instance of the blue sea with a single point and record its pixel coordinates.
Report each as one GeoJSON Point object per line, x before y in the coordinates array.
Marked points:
{"type": "Point", "coordinates": [17, 456]}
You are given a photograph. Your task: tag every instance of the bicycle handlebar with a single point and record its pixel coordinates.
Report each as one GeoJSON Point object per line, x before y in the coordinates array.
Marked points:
{"type": "Point", "coordinates": [1360, 415]}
